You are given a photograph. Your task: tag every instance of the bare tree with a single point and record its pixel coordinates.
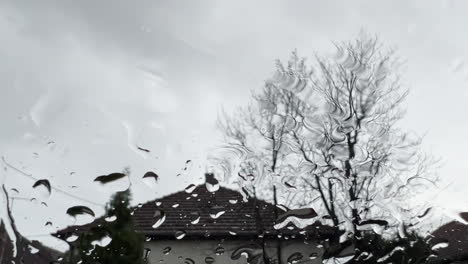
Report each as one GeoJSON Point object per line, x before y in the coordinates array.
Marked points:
{"type": "Point", "coordinates": [260, 133]}
{"type": "Point", "coordinates": [328, 136]}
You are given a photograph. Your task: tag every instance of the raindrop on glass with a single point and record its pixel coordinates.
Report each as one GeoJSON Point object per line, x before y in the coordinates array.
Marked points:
{"type": "Point", "coordinates": [167, 250]}
{"type": "Point", "coordinates": [209, 260]}
{"type": "Point", "coordinates": [160, 217]}
{"type": "Point", "coordinates": [190, 188]}
{"type": "Point", "coordinates": [42, 188]}
{"type": "Point", "coordinates": [180, 234]}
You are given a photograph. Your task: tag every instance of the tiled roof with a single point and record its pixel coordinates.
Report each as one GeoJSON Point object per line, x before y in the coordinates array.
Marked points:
{"type": "Point", "coordinates": [456, 235]}
{"type": "Point", "coordinates": [183, 209]}
{"type": "Point", "coordinates": [197, 212]}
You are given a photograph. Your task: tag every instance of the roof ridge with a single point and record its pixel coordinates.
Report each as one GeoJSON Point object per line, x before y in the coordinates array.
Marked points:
{"type": "Point", "coordinates": [203, 185]}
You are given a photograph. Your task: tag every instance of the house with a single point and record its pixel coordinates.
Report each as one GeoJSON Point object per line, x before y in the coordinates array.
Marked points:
{"type": "Point", "coordinates": [213, 224]}
{"type": "Point", "coordinates": [451, 242]}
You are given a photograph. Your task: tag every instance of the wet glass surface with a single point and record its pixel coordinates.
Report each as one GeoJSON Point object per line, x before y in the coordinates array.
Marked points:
{"type": "Point", "coordinates": [233, 132]}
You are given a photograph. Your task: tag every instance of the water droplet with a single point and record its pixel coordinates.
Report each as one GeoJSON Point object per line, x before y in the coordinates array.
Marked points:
{"type": "Point", "coordinates": [147, 253]}
{"type": "Point", "coordinates": [217, 211]}
{"type": "Point", "coordinates": [104, 179]}
{"type": "Point", "coordinates": [209, 260]}
{"type": "Point", "coordinates": [289, 185]}
{"type": "Point", "coordinates": [77, 210]}
{"type": "Point", "coordinates": [295, 257]}
{"type": "Point", "coordinates": [167, 250]}
{"type": "Point", "coordinates": [160, 218]}
{"type": "Point", "coordinates": [114, 182]}
{"type": "Point", "coordinates": [313, 255]}
{"type": "Point", "coordinates": [102, 242]}
{"type": "Point", "coordinates": [299, 217]}
{"type": "Point", "coordinates": [42, 188]}
{"type": "Point", "coordinates": [32, 249]}
{"type": "Point", "coordinates": [175, 205]}
{"type": "Point", "coordinates": [81, 214]}
{"type": "Point", "coordinates": [111, 218]}
{"type": "Point", "coordinates": [190, 188]}
{"type": "Point", "coordinates": [440, 245]}
{"type": "Point", "coordinates": [252, 251]}
{"type": "Point", "coordinates": [194, 218]}
{"type": "Point", "coordinates": [180, 234]}
{"type": "Point", "coordinates": [189, 261]}
{"type": "Point", "coordinates": [72, 238]}
{"type": "Point", "coordinates": [151, 179]}
{"type": "Point", "coordinates": [219, 251]}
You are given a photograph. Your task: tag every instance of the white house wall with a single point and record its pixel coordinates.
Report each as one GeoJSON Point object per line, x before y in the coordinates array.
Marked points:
{"type": "Point", "coordinates": [186, 251]}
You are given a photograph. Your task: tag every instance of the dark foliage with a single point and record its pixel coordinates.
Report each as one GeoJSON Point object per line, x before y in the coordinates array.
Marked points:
{"type": "Point", "coordinates": [126, 245]}
{"type": "Point", "coordinates": [372, 248]}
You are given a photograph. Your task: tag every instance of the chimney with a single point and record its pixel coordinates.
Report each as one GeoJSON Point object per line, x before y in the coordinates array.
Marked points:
{"type": "Point", "coordinates": [210, 178]}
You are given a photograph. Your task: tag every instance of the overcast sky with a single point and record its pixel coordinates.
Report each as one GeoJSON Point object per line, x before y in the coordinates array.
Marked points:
{"type": "Point", "coordinates": [84, 83]}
